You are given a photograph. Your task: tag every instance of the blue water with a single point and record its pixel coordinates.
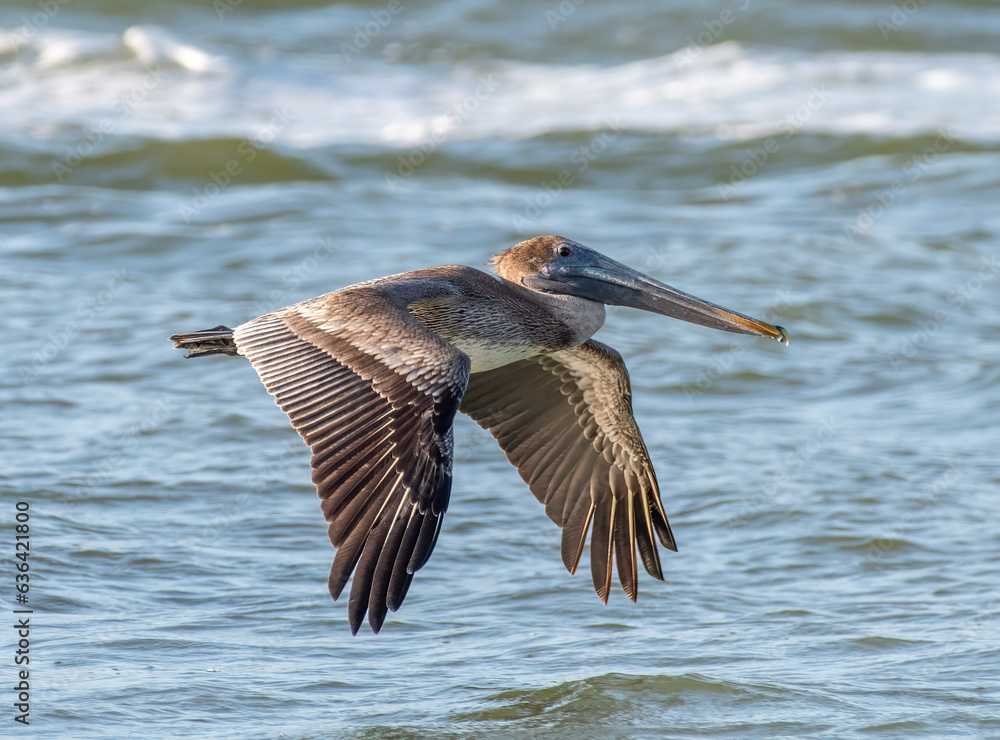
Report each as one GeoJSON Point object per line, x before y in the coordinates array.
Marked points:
{"type": "Point", "coordinates": [830, 167]}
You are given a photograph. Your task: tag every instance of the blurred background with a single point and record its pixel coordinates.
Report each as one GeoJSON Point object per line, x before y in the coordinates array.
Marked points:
{"type": "Point", "coordinates": [828, 166]}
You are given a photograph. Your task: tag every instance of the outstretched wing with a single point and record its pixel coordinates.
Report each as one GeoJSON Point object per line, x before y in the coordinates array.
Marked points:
{"type": "Point", "coordinates": [565, 421]}
{"type": "Point", "coordinates": [374, 394]}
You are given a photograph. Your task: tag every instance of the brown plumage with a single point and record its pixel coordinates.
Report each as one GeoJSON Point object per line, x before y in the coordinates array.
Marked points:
{"type": "Point", "coordinates": [371, 377]}
{"type": "Point", "coordinates": [565, 422]}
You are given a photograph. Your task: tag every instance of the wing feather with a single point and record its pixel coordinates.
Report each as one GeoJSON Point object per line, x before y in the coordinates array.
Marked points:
{"type": "Point", "coordinates": [602, 547]}
{"type": "Point", "coordinates": [575, 529]}
{"type": "Point", "coordinates": [375, 404]}
{"type": "Point", "coordinates": [565, 421]}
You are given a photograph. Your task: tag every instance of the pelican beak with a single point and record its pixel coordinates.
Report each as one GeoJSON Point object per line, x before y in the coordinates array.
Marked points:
{"type": "Point", "coordinates": [652, 295]}
{"type": "Point", "coordinates": [615, 284]}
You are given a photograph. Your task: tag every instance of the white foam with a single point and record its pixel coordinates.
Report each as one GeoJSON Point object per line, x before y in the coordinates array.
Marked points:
{"type": "Point", "coordinates": [749, 93]}
{"type": "Point", "coordinates": [61, 79]}
{"type": "Point", "coordinates": [155, 45]}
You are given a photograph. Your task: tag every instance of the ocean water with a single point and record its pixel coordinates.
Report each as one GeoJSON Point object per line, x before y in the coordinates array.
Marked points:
{"type": "Point", "coordinates": [833, 167]}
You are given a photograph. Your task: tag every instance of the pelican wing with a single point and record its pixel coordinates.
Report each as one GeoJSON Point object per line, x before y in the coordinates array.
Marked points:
{"type": "Point", "coordinates": [375, 402]}
{"type": "Point", "coordinates": [565, 421]}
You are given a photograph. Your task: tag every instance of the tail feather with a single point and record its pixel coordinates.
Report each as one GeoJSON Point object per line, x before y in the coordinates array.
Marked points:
{"type": "Point", "coordinates": [215, 341]}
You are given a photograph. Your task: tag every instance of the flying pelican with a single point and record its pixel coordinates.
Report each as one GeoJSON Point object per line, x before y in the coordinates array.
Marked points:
{"type": "Point", "coordinates": [372, 375]}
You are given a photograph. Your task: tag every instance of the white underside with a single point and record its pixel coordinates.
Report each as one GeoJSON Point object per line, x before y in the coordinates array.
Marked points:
{"type": "Point", "coordinates": [490, 355]}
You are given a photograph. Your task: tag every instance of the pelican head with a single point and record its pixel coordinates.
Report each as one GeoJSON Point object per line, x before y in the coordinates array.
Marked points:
{"type": "Point", "coordinates": [554, 264]}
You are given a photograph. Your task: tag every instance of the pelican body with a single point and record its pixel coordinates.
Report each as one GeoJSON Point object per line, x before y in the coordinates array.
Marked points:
{"type": "Point", "coordinates": [372, 375]}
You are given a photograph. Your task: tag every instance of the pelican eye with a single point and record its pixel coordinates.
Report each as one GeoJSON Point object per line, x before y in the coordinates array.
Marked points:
{"type": "Point", "coordinates": [564, 251]}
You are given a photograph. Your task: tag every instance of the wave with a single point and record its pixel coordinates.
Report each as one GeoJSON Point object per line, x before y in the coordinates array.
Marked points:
{"type": "Point", "coordinates": [148, 82]}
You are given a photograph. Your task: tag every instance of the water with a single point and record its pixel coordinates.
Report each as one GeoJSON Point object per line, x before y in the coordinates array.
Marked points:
{"type": "Point", "coordinates": [832, 166]}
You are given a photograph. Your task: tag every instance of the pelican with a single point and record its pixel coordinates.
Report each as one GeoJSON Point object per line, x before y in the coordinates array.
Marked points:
{"type": "Point", "coordinates": [371, 377]}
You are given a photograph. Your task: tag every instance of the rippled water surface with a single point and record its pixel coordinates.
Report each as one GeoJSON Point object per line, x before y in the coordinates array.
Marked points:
{"type": "Point", "coordinates": [170, 166]}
